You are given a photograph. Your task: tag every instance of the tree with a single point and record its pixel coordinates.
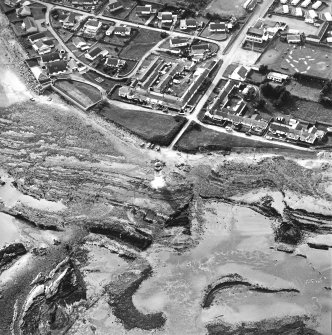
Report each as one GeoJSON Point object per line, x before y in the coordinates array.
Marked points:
{"type": "Point", "coordinates": [261, 103]}
{"type": "Point", "coordinates": [263, 69]}
{"type": "Point", "coordinates": [267, 90]}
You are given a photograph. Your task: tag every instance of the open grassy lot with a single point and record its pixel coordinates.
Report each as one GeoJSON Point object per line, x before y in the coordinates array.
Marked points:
{"type": "Point", "coordinates": [84, 94]}
{"type": "Point", "coordinates": [106, 83]}
{"type": "Point", "coordinates": [226, 7]}
{"type": "Point", "coordinates": [194, 139]}
{"type": "Point", "coordinates": [308, 111]}
{"type": "Point", "coordinates": [308, 59]}
{"type": "Point", "coordinates": [141, 44]}
{"type": "Point", "coordinates": [153, 127]}
{"type": "Point", "coordinates": [305, 90]}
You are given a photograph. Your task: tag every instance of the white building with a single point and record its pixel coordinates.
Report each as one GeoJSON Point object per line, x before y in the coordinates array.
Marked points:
{"type": "Point", "coordinates": [305, 3]}
{"type": "Point", "coordinates": [92, 26]}
{"type": "Point", "coordinates": [277, 77]}
{"type": "Point", "coordinates": [316, 5]}
{"type": "Point", "coordinates": [298, 11]}
{"type": "Point", "coordinates": [285, 9]}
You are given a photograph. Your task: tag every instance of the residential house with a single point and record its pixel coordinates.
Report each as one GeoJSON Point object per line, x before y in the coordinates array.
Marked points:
{"type": "Point", "coordinates": [316, 5]}
{"type": "Point", "coordinates": [305, 3]}
{"type": "Point", "coordinates": [41, 47]}
{"type": "Point", "coordinates": [56, 67]}
{"type": "Point", "coordinates": [277, 77]}
{"type": "Point", "coordinates": [72, 65]}
{"type": "Point", "coordinates": [95, 52]}
{"type": "Point", "coordinates": [36, 37]}
{"type": "Point", "coordinates": [92, 27]}
{"type": "Point", "coordinates": [23, 11]}
{"type": "Point", "coordinates": [240, 73]}
{"type": "Point", "coordinates": [115, 63]}
{"type": "Point", "coordinates": [188, 24]}
{"type": "Point", "coordinates": [257, 35]}
{"type": "Point", "coordinates": [114, 5]}
{"type": "Point", "coordinates": [122, 31]}
{"type": "Point", "coordinates": [294, 38]}
{"type": "Point", "coordinates": [178, 42]}
{"type": "Point", "coordinates": [165, 17]}
{"type": "Point", "coordinates": [29, 25]}
{"type": "Point", "coordinates": [217, 27]}
{"type": "Point", "coordinates": [69, 21]}
{"type": "Point", "coordinates": [79, 42]}
{"type": "Point", "coordinates": [144, 10]}
{"type": "Point", "coordinates": [50, 57]}
{"type": "Point", "coordinates": [200, 49]}
{"type": "Point", "coordinates": [110, 31]}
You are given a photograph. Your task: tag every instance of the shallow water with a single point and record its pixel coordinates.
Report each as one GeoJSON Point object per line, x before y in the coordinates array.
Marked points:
{"type": "Point", "coordinates": [9, 231]}
{"type": "Point", "coordinates": [10, 196]}
{"type": "Point", "coordinates": [236, 240]}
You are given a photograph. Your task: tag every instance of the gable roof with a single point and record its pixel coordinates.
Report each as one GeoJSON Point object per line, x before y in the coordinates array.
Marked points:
{"type": "Point", "coordinates": [191, 22]}
{"type": "Point", "coordinates": [29, 22]}
{"type": "Point", "coordinates": [217, 26]}
{"type": "Point", "coordinates": [256, 31]}
{"type": "Point", "coordinates": [37, 36]}
{"type": "Point", "coordinates": [94, 52]}
{"type": "Point", "coordinates": [92, 23]}
{"type": "Point", "coordinates": [51, 57]}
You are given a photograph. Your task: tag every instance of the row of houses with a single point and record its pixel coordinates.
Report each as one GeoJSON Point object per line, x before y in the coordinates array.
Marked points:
{"type": "Point", "coordinates": [153, 82]}
{"type": "Point", "coordinates": [294, 131]}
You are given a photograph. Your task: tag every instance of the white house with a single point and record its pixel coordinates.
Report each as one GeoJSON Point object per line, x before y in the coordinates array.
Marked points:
{"type": "Point", "coordinates": [122, 31]}
{"type": "Point", "coordinates": [144, 10]}
{"type": "Point", "coordinates": [188, 24]}
{"type": "Point", "coordinates": [79, 42]}
{"type": "Point", "coordinates": [305, 3]}
{"type": "Point", "coordinates": [285, 9]}
{"type": "Point", "coordinates": [277, 77]}
{"type": "Point", "coordinates": [215, 27]}
{"type": "Point", "coordinates": [92, 26]}
{"type": "Point", "coordinates": [316, 5]}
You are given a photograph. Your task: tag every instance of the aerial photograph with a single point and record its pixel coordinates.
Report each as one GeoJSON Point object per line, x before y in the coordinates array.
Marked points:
{"type": "Point", "coordinates": [165, 167]}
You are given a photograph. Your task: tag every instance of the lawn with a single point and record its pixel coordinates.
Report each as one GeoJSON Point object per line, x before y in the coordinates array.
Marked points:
{"type": "Point", "coordinates": [226, 7]}
{"type": "Point", "coordinates": [82, 93]}
{"type": "Point", "coordinates": [192, 140]}
{"type": "Point", "coordinates": [141, 44]}
{"type": "Point", "coordinates": [157, 128]}
{"type": "Point", "coordinates": [308, 111]}
{"type": "Point", "coordinates": [305, 90]}
{"type": "Point", "coordinates": [311, 60]}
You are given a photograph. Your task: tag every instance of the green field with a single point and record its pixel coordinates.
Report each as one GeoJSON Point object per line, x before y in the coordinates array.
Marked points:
{"type": "Point", "coordinates": [141, 44]}
{"type": "Point", "coordinates": [157, 128]}
{"type": "Point", "coordinates": [83, 94]}
{"type": "Point", "coordinates": [308, 59]}
{"type": "Point", "coordinates": [193, 139]}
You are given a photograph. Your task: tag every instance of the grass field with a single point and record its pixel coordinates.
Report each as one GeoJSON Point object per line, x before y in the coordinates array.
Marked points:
{"type": "Point", "coordinates": [308, 59]}
{"type": "Point", "coordinates": [157, 128]}
{"type": "Point", "coordinates": [192, 140]}
{"type": "Point", "coordinates": [226, 7]}
{"type": "Point", "coordinates": [82, 93]}
{"type": "Point", "coordinates": [141, 44]}
{"type": "Point", "coordinates": [308, 110]}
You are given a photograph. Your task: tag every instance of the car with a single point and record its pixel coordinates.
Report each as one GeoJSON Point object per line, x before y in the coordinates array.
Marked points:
{"type": "Point", "coordinates": [32, 99]}
{"type": "Point", "coordinates": [157, 148]}
{"type": "Point", "coordinates": [270, 15]}
{"type": "Point", "coordinates": [151, 146]}
{"type": "Point", "coordinates": [248, 133]}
